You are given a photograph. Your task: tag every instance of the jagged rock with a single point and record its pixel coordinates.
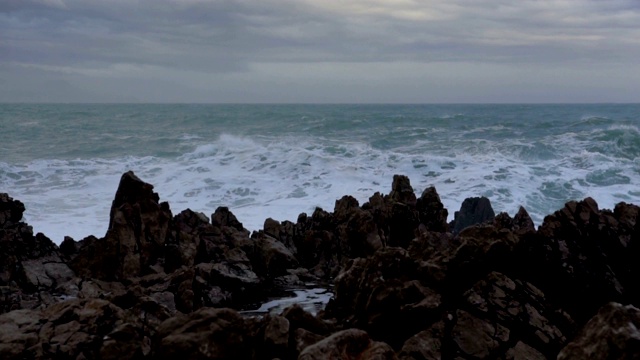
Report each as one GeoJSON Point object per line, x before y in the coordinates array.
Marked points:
{"type": "Point", "coordinates": [378, 293]}
{"type": "Point", "coordinates": [401, 190]}
{"type": "Point", "coordinates": [473, 211]}
{"type": "Point", "coordinates": [348, 344]}
{"type": "Point", "coordinates": [204, 334]}
{"type": "Point", "coordinates": [272, 257]}
{"type": "Point", "coordinates": [611, 334]}
{"type": "Point", "coordinates": [432, 213]}
{"type": "Point", "coordinates": [521, 306]}
{"type": "Point", "coordinates": [223, 217]}
{"type": "Point", "coordinates": [520, 224]}
{"type": "Point", "coordinates": [454, 263]}
{"type": "Point", "coordinates": [31, 268]}
{"type": "Point", "coordinates": [71, 329]}
{"type": "Point", "coordinates": [10, 211]}
{"type": "Point", "coordinates": [582, 257]}
{"type": "Point", "coordinates": [138, 229]}
{"type": "Point", "coordinates": [357, 231]}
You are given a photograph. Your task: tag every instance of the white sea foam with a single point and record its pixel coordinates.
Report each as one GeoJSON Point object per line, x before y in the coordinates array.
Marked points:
{"type": "Point", "coordinates": [280, 177]}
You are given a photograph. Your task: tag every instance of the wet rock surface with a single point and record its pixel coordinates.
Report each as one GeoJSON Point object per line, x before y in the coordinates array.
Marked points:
{"type": "Point", "coordinates": [407, 285]}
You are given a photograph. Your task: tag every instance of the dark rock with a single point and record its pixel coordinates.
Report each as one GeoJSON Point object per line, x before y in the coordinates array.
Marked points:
{"type": "Point", "coordinates": [520, 224]}
{"type": "Point", "coordinates": [304, 338]}
{"type": "Point", "coordinates": [521, 307]}
{"type": "Point", "coordinates": [401, 190]}
{"type": "Point", "coordinates": [273, 258]}
{"type": "Point", "coordinates": [301, 319]}
{"type": "Point", "coordinates": [10, 211]}
{"type": "Point", "coordinates": [377, 294]}
{"type": "Point", "coordinates": [432, 213]}
{"type": "Point", "coordinates": [138, 229]}
{"type": "Point", "coordinates": [522, 351]}
{"type": "Point", "coordinates": [473, 211]}
{"type": "Point", "coordinates": [276, 336]}
{"type": "Point", "coordinates": [611, 334]}
{"type": "Point", "coordinates": [204, 334]}
{"type": "Point", "coordinates": [583, 258]}
{"type": "Point", "coordinates": [425, 345]}
{"type": "Point", "coordinates": [357, 231]}
{"type": "Point", "coordinates": [477, 337]}
{"type": "Point", "coordinates": [223, 217]}
{"type": "Point", "coordinates": [31, 268]}
{"type": "Point", "coordinates": [71, 329]}
{"type": "Point", "coordinates": [348, 344]}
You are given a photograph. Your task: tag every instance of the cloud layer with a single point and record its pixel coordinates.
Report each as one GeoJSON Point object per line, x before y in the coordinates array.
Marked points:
{"type": "Point", "coordinates": [319, 51]}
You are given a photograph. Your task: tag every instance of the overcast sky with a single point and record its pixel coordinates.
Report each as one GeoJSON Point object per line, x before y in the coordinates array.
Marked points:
{"type": "Point", "coordinates": [353, 51]}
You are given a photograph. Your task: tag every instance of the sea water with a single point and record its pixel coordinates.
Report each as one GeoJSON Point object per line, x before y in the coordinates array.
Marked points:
{"type": "Point", "coordinates": [64, 161]}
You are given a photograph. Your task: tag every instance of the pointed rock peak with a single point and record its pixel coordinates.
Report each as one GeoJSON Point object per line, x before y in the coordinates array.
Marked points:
{"type": "Point", "coordinates": [431, 195]}
{"type": "Point", "coordinates": [432, 212]}
{"type": "Point", "coordinates": [224, 217]}
{"type": "Point", "coordinates": [402, 191]}
{"type": "Point", "coordinates": [522, 221]}
{"type": "Point", "coordinates": [473, 211]}
{"type": "Point", "coordinates": [133, 190]}
{"type": "Point", "coordinates": [345, 206]}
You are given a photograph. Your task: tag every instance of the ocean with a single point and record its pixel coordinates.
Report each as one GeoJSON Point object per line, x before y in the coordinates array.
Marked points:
{"type": "Point", "coordinates": [64, 161]}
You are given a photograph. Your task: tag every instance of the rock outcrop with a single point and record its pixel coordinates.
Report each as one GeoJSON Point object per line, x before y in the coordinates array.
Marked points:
{"type": "Point", "coordinates": [407, 285]}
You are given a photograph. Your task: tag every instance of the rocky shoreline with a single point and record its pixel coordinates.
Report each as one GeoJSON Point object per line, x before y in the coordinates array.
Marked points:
{"type": "Point", "coordinates": [407, 284]}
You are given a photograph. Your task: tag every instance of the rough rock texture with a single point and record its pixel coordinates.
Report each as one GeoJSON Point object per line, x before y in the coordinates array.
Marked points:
{"type": "Point", "coordinates": [348, 344]}
{"type": "Point", "coordinates": [72, 329]}
{"type": "Point", "coordinates": [407, 284]}
{"type": "Point", "coordinates": [611, 334]}
{"type": "Point", "coordinates": [473, 211]}
{"type": "Point", "coordinates": [31, 268]}
{"type": "Point", "coordinates": [138, 228]}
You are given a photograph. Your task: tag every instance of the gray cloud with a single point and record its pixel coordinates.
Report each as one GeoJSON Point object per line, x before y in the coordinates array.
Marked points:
{"type": "Point", "coordinates": [176, 50]}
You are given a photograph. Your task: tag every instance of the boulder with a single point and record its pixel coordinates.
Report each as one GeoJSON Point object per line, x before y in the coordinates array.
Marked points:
{"type": "Point", "coordinates": [204, 334]}
{"type": "Point", "coordinates": [611, 334]}
{"type": "Point", "coordinates": [276, 336]}
{"type": "Point", "coordinates": [348, 344]}
{"type": "Point", "coordinates": [272, 258]}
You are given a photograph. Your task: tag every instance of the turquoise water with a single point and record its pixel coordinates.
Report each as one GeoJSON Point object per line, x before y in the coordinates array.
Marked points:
{"type": "Point", "coordinates": [64, 161]}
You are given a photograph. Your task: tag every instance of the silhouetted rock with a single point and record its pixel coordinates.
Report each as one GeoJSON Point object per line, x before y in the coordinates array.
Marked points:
{"type": "Point", "coordinates": [138, 228]}
{"type": "Point", "coordinates": [473, 211]}
{"type": "Point", "coordinates": [583, 258]}
{"type": "Point", "coordinates": [157, 286]}
{"type": "Point", "coordinates": [433, 215]}
{"type": "Point", "coordinates": [31, 268]}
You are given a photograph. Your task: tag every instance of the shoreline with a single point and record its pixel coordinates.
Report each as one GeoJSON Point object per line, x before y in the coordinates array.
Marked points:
{"type": "Point", "coordinates": [485, 285]}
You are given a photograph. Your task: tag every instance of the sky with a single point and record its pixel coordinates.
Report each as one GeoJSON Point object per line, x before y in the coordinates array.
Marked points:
{"type": "Point", "coordinates": [320, 51]}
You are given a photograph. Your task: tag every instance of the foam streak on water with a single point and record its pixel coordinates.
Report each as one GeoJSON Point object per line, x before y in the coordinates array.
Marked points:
{"type": "Point", "coordinates": [64, 161]}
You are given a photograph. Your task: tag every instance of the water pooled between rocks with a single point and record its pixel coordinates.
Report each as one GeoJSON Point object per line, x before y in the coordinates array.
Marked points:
{"type": "Point", "coordinates": [312, 299]}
